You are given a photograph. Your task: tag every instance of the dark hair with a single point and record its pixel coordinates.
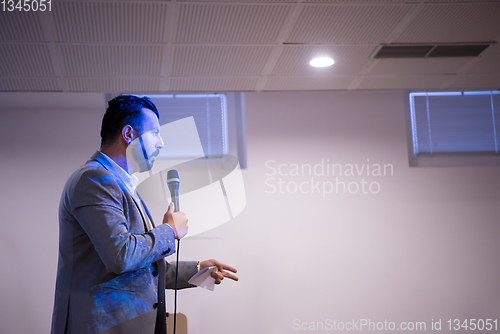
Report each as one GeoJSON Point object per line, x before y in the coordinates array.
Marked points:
{"type": "Point", "coordinates": [124, 110]}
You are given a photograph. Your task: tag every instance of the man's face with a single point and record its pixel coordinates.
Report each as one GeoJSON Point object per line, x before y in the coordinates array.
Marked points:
{"type": "Point", "coordinates": [141, 154]}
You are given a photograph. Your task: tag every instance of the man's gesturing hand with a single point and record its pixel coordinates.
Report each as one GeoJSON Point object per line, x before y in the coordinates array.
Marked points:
{"type": "Point", "coordinates": [220, 274]}
{"type": "Point", "coordinates": [177, 220]}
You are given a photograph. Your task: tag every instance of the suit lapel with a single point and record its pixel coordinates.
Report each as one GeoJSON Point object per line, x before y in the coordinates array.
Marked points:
{"type": "Point", "coordinates": [110, 168]}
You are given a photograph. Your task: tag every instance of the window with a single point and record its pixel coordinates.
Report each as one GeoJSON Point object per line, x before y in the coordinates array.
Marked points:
{"type": "Point", "coordinates": [210, 116]}
{"type": "Point", "coordinates": [454, 128]}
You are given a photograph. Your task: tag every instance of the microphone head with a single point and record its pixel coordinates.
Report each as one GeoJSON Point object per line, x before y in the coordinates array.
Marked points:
{"type": "Point", "coordinates": [172, 176]}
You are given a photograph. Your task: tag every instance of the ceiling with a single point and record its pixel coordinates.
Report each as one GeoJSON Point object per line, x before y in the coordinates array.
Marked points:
{"type": "Point", "coordinates": [214, 46]}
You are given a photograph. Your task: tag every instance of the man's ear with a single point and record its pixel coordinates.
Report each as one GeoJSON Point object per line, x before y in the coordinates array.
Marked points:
{"type": "Point", "coordinates": [128, 134]}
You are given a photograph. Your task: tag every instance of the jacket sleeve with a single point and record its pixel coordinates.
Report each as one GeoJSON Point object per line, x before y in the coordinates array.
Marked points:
{"type": "Point", "coordinates": [187, 269]}
{"type": "Point", "coordinates": [100, 206]}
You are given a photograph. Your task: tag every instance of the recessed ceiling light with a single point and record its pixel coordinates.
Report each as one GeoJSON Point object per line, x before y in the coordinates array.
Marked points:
{"type": "Point", "coordinates": [321, 62]}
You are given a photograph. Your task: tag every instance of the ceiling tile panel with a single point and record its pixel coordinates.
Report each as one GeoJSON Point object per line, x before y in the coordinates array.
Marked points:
{"type": "Point", "coordinates": [294, 59]}
{"type": "Point", "coordinates": [459, 22]}
{"type": "Point", "coordinates": [307, 83]}
{"type": "Point", "coordinates": [212, 84]}
{"type": "Point", "coordinates": [111, 60]}
{"type": "Point", "coordinates": [116, 45]}
{"type": "Point", "coordinates": [25, 60]}
{"type": "Point", "coordinates": [487, 64]}
{"type": "Point", "coordinates": [29, 85]}
{"type": "Point", "coordinates": [458, 1]}
{"type": "Point", "coordinates": [403, 82]}
{"type": "Point", "coordinates": [116, 85]}
{"type": "Point", "coordinates": [419, 66]}
{"type": "Point", "coordinates": [251, 1]}
{"type": "Point", "coordinates": [219, 60]}
{"type": "Point", "coordinates": [362, 1]}
{"type": "Point", "coordinates": [20, 27]}
{"type": "Point", "coordinates": [347, 24]}
{"type": "Point", "coordinates": [200, 23]}
{"type": "Point", "coordinates": [109, 22]}
{"type": "Point", "coordinates": [477, 82]}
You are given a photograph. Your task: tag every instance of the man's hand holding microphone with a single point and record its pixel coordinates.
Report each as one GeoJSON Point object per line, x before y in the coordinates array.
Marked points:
{"type": "Point", "coordinates": [178, 221]}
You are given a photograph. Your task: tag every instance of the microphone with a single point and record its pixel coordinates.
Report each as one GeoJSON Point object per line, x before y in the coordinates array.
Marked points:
{"type": "Point", "coordinates": [173, 185]}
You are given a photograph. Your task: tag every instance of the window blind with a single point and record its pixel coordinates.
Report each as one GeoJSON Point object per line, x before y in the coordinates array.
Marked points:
{"type": "Point", "coordinates": [455, 122]}
{"type": "Point", "coordinates": [209, 112]}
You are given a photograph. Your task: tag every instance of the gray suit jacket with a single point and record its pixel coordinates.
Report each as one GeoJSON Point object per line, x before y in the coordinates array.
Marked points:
{"type": "Point", "coordinates": [106, 280]}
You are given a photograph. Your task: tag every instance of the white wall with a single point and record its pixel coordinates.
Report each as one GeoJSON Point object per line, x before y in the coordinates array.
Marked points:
{"type": "Point", "coordinates": [423, 248]}
{"type": "Point", "coordinates": [42, 139]}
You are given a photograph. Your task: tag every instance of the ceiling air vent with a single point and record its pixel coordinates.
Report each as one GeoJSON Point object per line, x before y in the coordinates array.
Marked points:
{"type": "Point", "coordinates": [458, 50]}
{"type": "Point", "coordinates": [404, 51]}
{"type": "Point", "coordinates": [431, 50]}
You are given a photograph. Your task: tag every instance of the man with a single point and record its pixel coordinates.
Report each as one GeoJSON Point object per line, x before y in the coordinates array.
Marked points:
{"type": "Point", "coordinates": [110, 252]}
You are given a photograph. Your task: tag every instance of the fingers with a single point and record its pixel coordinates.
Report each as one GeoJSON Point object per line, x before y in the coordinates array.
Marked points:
{"type": "Point", "coordinates": [221, 266]}
{"type": "Point", "coordinates": [231, 276]}
{"type": "Point", "coordinates": [226, 267]}
{"type": "Point", "coordinates": [180, 223]}
{"type": "Point", "coordinates": [220, 275]}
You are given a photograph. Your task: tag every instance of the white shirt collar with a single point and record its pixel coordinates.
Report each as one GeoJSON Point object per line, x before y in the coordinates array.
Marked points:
{"type": "Point", "coordinates": [130, 181]}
